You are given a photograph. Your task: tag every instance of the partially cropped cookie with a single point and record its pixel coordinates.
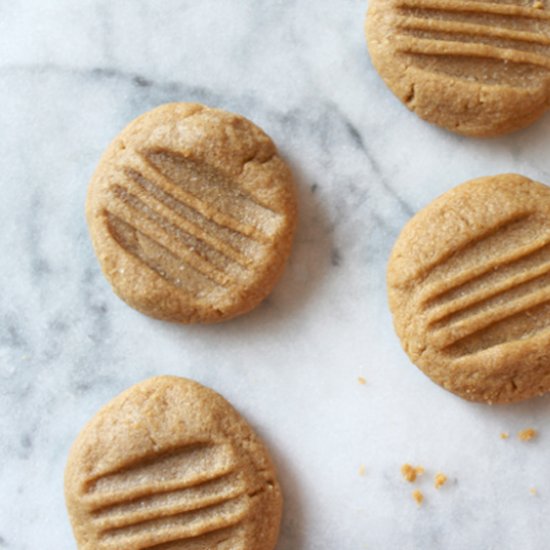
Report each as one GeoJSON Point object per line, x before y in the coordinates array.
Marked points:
{"type": "Point", "coordinates": [479, 68]}
{"type": "Point", "coordinates": [192, 214]}
{"type": "Point", "coordinates": [169, 464]}
{"type": "Point", "coordinates": [469, 289]}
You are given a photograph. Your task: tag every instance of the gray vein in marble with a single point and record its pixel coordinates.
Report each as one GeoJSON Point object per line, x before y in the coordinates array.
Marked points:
{"type": "Point", "coordinates": [336, 258]}
{"type": "Point", "coordinates": [39, 263]}
{"type": "Point", "coordinates": [140, 81]}
{"type": "Point", "coordinates": [104, 16]}
{"type": "Point", "coordinates": [357, 138]}
{"type": "Point", "coordinates": [11, 334]}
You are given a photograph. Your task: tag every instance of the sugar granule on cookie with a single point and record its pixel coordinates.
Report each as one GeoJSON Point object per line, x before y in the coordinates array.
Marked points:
{"type": "Point", "coordinates": [192, 213]}
{"type": "Point", "coordinates": [440, 480]}
{"type": "Point", "coordinates": [170, 463]}
{"type": "Point", "coordinates": [468, 287]}
{"type": "Point", "coordinates": [528, 434]}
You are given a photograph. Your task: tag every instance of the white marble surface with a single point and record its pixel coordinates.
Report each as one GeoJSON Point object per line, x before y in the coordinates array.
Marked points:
{"type": "Point", "coordinates": [72, 74]}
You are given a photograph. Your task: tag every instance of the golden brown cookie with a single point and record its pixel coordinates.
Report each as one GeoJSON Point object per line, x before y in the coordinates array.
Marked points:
{"type": "Point", "coordinates": [192, 213]}
{"type": "Point", "coordinates": [469, 289]}
{"type": "Point", "coordinates": [475, 67]}
{"type": "Point", "coordinates": [169, 464]}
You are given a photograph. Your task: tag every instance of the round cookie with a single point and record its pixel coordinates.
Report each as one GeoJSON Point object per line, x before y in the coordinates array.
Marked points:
{"type": "Point", "coordinates": [469, 288]}
{"type": "Point", "coordinates": [192, 214]}
{"type": "Point", "coordinates": [170, 464]}
{"type": "Point", "coordinates": [476, 67]}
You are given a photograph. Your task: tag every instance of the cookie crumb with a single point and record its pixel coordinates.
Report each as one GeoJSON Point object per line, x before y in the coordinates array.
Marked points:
{"type": "Point", "coordinates": [418, 497]}
{"type": "Point", "coordinates": [527, 434]}
{"type": "Point", "coordinates": [362, 381]}
{"type": "Point", "coordinates": [533, 491]}
{"type": "Point", "coordinates": [362, 470]}
{"type": "Point", "coordinates": [504, 435]}
{"type": "Point", "coordinates": [410, 473]}
{"type": "Point", "coordinates": [440, 480]}
{"type": "Point", "coordinates": [538, 4]}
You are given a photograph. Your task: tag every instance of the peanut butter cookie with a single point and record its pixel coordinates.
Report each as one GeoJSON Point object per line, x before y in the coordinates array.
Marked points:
{"type": "Point", "coordinates": [169, 464]}
{"type": "Point", "coordinates": [469, 289]}
{"type": "Point", "coordinates": [192, 213]}
{"type": "Point", "coordinates": [475, 67]}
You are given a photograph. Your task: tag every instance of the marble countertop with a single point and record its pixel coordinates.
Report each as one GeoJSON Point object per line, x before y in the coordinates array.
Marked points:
{"type": "Point", "coordinates": [72, 74]}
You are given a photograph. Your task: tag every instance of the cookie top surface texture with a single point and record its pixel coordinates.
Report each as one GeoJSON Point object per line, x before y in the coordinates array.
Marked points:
{"type": "Point", "coordinates": [169, 464]}
{"type": "Point", "coordinates": [475, 67]}
{"type": "Point", "coordinates": [469, 289]}
{"type": "Point", "coordinates": [192, 213]}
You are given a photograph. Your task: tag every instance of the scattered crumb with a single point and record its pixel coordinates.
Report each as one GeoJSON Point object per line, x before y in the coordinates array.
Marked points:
{"type": "Point", "coordinates": [533, 491]}
{"type": "Point", "coordinates": [361, 381]}
{"type": "Point", "coordinates": [410, 473]}
{"type": "Point", "coordinates": [504, 435]}
{"type": "Point", "coordinates": [418, 497]}
{"type": "Point", "coordinates": [440, 480]}
{"type": "Point", "coordinates": [362, 470]}
{"type": "Point", "coordinates": [527, 434]}
{"type": "Point", "coordinates": [538, 4]}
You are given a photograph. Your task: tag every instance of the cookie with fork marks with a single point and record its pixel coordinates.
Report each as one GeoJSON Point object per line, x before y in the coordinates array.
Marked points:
{"type": "Point", "coordinates": [170, 464]}
{"type": "Point", "coordinates": [475, 67]}
{"type": "Point", "coordinates": [192, 213]}
{"type": "Point", "coordinates": [469, 289]}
